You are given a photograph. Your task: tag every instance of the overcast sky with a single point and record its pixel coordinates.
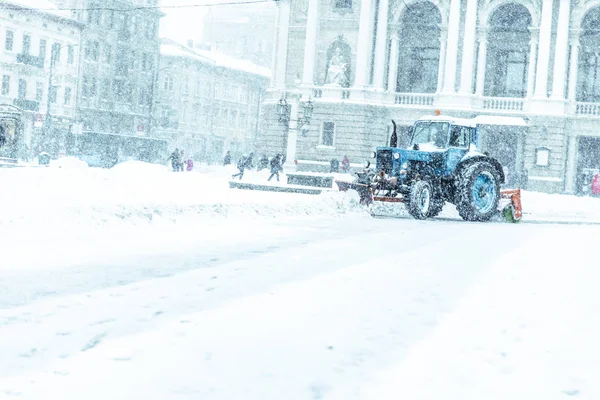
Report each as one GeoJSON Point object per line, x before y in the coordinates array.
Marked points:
{"type": "Point", "coordinates": [181, 22]}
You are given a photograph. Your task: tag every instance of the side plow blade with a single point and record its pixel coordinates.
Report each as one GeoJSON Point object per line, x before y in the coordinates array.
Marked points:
{"type": "Point", "coordinates": [512, 210]}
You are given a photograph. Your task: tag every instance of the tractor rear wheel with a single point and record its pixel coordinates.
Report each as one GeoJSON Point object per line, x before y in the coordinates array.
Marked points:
{"type": "Point", "coordinates": [420, 200]}
{"type": "Point", "coordinates": [478, 192]}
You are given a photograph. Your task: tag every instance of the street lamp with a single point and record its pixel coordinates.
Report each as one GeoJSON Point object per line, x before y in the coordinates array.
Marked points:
{"type": "Point", "coordinates": [284, 110]}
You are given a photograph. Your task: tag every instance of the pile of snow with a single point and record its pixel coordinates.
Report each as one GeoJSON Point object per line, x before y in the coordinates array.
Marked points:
{"type": "Point", "coordinates": [137, 192]}
{"type": "Point", "coordinates": [134, 192]}
{"type": "Point", "coordinates": [68, 162]}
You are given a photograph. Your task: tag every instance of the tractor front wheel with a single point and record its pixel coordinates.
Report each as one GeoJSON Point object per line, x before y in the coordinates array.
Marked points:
{"type": "Point", "coordinates": [420, 200]}
{"type": "Point", "coordinates": [478, 192]}
{"type": "Point", "coordinates": [437, 205]}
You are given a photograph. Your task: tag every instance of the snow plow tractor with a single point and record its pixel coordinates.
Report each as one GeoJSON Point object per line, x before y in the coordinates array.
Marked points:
{"type": "Point", "coordinates": [441, 164]}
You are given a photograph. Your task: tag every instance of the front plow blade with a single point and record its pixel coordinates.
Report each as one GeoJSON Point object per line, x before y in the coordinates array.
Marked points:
{"type": "Point", "coordinates": [388, 207]}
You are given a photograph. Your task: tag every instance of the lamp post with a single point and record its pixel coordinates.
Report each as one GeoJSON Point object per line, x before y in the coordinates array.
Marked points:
{"type": "Point", "coordinates": [284, 112]}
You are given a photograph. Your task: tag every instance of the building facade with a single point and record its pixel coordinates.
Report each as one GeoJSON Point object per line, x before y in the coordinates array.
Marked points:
{"type": "Point", "coordinates": [208, 103]}
{"type": "Point", "coordinates": [529, 68]}
{"type": "Point", "coordinates": [245, 32]}
{"type": "Point", "coordinates": [119, 53]}
{"type": "Point", "coordinates": [39, 62]}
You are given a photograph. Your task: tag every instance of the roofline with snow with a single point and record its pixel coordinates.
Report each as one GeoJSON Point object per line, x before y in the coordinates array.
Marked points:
{"type": "Point", "coordinates": [8, 6]}
{"type": "Point", "coordinates": [194, 56]}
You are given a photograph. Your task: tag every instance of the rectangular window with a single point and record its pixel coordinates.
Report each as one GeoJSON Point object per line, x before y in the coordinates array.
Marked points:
{"type": "Point", "coordinates": [206, 115]}
{"type": "Point", "coordinates": [91, 51]}
{"type": "Point", "coordinates": [150, 63]}
{"type": "Point", "coordinates": [52, 94]}
{"type": "Point", "coordinates": [510, 73]}
{"type": "Point", "coordinates": [26, 44]}
{"type": "Point", "coordinates": [70, 55]}
{"type": "Point", "coordinates": [56, 52]}
{"type": "Point", "coordinates": [8, 43]}
{"type": "Point", "coordinates": [460, 136]}
{"type": "Point", "coordinates": [328, 134]}
{"type": "Point", "coordinates": [39, 91]}
{"type": "Point", "coordinates": [168, 83]}
{"type": "Point", "coordinates": [196, 113]}
{"type": "Point", "coordinates": [183, 113]}
{"type": "Point", "coordinates": [107, 54]}
{"type": "Point", "coordinates": [111, 18]}
{"type": "Point", "coordinates": [22, 88]}
{"type": "Point", "coordinates": [42, 49]}
{"type": "Point", "coordinates": [120, 91]}
{"type": "Point", "coordinates": [67, 96]}
{"type": "Point", "coordinates": [89, 86]}
{"type": "Point", "coordinates": [5, 84]}
{"type": "Point", "coordinates": [106, 89]}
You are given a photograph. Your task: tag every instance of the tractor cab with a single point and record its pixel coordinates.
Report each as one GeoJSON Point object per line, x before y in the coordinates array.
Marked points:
{"type": "Point", "coordinates": [437, 144]}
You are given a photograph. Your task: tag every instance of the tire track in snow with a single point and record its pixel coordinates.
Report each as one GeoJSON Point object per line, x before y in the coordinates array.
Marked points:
{"type": "Point", "coordinates": [63, 325]}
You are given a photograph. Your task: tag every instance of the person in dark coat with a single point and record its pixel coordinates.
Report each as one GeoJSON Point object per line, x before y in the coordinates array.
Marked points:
{"type": "Point", "coordinates": [243, 164]}
{"type": "Point", "coordinates": [176, 161]}
{"type": "Point", "coordinates": [276, 167]}
{"type": "Point", "coordinates": [227, 159]}
{"type": "Point", "coordinates": [263, 163]}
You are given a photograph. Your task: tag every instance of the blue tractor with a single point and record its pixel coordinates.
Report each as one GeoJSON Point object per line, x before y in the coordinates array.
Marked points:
{"type": "Point", "coordinates": [441, 164]}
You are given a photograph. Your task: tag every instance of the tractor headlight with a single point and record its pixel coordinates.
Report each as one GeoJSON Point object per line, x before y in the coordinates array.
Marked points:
{"type": "Point", "coordinates": [396, 156]}
{"type": "Point", "coordinates": [373, 154]}
{"type": "Point", "coordinates": [404, 165]}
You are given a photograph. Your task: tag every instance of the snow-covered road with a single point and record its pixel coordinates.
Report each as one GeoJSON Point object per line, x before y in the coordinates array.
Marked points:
{"type": "Point", "coordinates": [335, 309]}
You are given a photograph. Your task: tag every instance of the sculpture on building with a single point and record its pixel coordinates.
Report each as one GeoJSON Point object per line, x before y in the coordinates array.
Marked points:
{"type": "Point", "coordinates": [336, 69]}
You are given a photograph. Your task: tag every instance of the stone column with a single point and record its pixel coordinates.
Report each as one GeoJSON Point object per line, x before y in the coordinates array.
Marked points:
{"type": "Point", "coordinates": [574, 65]}
{"type": "Point", "coordinates": [533, 44]}
{"type": "Point", "coordinates": [541, 82]}
{"type": "Point", "coordinates": [468, 52]}
{"type": "Point", "coordinates": [393, 71]}
{"type": "Point", "coordinates": [442, 63]}
{"type": "Point", "coordinates": [381, 45]}
{"type": "Point", "coordinates": [481, 61]}
{"type": "Point", "coordinates": [452, 47]}
{"type": "Point", "coordinates": [283, 25]}
{"type": "Point", "coordinates": [310, 44]}
{"type": "Point", "coordinates": [562, 47]}
{"type": "Point", "coordinates": [363, 48]}
{"type": "Point", "coordinates": [571, 165]}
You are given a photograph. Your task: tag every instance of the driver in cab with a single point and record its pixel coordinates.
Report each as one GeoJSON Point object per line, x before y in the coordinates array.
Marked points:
{"type": "Point", "coordinates": [437, 136]}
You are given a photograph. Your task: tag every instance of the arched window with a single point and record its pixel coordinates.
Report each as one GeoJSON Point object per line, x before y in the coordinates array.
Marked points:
{"type": "Point", "coordinates": [419, 52]}
{"type": "Point", "coordinates": [508, 52]}
{"type": "Point", "coordinates": [588, 85]}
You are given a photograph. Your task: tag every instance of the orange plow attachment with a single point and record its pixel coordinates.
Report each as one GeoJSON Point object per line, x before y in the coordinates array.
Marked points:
{"type": "Point", "coordinates": [513, 211]}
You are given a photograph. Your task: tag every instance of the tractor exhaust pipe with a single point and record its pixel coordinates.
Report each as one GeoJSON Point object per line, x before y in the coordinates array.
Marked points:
{"type": "Point", "coordinates": [394, 138]}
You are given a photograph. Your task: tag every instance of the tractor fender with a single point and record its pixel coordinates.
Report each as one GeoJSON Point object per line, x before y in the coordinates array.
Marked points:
{"type": "Point", "coordinates": [473, 157]}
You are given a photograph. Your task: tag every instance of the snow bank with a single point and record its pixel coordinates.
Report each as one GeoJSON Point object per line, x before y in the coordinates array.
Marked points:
{"type": "Point", "coordinates": [69, 193]}
{"type": "Point", "coordinates": [137, 192]}
{"type": "Point", "coordinates": [68, 162]}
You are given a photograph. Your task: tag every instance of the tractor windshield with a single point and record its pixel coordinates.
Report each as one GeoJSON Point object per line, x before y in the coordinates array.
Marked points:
{"type": "Point", "coordinates": [433, 133]}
